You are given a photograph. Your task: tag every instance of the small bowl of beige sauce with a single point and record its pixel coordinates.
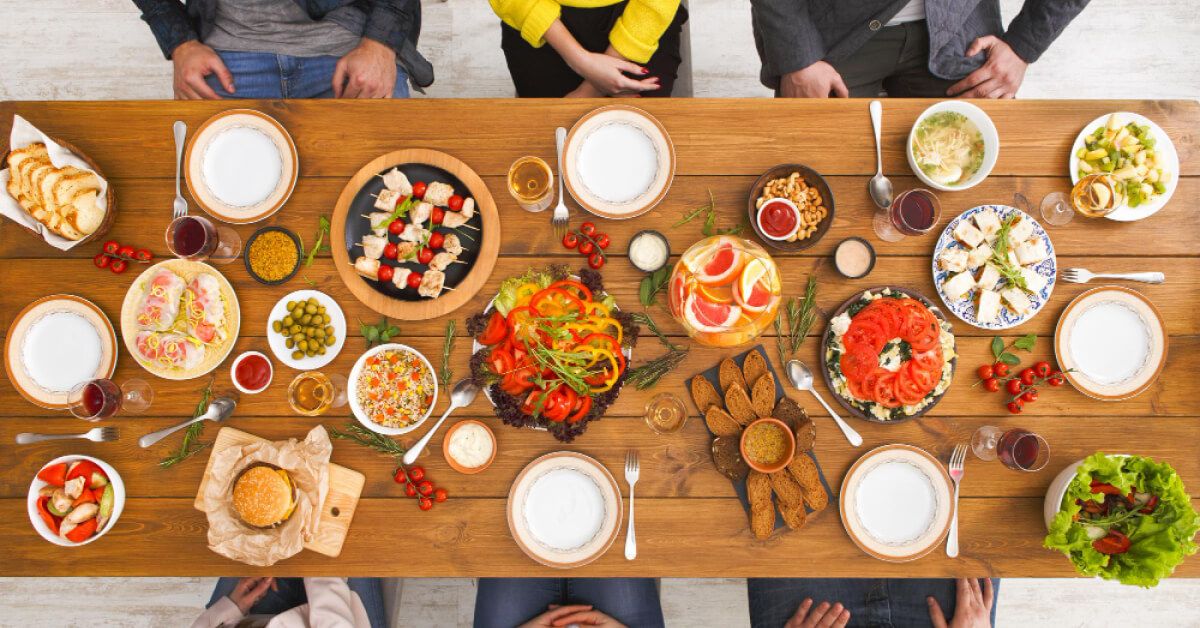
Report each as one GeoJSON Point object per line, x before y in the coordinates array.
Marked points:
{"type": "Point", "coordinates": [469, 446]}
{"type": "Point", "coordinates": [854, 258]}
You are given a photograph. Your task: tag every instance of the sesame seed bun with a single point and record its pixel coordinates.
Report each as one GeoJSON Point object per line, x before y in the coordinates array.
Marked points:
{"type": "Point", "coordinates": [264, 496]}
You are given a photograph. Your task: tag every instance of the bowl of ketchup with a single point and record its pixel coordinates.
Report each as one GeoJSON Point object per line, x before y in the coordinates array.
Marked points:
{"type": "Point", "coordinates": [251, 372]}
{"type": "Point", "coordinates": [779, 218]}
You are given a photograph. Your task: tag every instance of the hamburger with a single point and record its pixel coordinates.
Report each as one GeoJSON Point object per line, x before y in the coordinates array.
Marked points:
{"type": "Point", "coordinates": [264, 495]}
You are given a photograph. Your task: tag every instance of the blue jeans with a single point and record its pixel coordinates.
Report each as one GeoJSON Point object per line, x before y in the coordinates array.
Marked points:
{"type": "Point", "coordinates": [268, 75]}
{"type": "Point", "coordinates": [509, 602]}
{"type": "Point", "coordinates": [291, 594]}
{"type": "Point", "coordinates": [895, 602]}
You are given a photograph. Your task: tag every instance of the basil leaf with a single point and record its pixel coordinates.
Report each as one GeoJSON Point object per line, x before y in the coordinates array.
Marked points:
{"type": "Point", "coordinates": [1009, 359]}
{"type": "Point", "coordinates": [646, 291]}
{"type": "Point", "coordinates": [1025, 342]}
{"type": "Point", "coordinates": [997, 347]}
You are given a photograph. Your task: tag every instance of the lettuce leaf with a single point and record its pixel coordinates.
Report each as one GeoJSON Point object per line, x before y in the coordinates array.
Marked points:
{"type": "Point", "coordinates": [506, 298]}
{"type": "Point", "coordinates": [1159, 541]}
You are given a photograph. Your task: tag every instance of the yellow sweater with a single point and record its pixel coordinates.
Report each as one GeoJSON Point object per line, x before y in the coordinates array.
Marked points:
{"type": "Point", "coordinates": [635, 35]}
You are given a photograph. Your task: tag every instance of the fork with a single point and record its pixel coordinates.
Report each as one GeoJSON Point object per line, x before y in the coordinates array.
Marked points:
{"type": "Point", "coordinates": [957, 460]}
{"type": "Point", "coordinates": [1083, 275]}
{"type": "Point", "coordinates": [631, 475]}
{"type": "Point", "coordinates": [561, 214]}
{"type": "Point", "coordinates": [96, 435]}
{"type": "Point", "coordinates": [180, 205]}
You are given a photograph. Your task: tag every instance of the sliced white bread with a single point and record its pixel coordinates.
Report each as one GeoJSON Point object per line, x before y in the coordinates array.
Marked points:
{"type": "Point", "coordinates": [979, 255]}
{"type": "Point", "coordinates": [1016, 300]}
{"type": "Point", "coordinates": [987, 277]}
{"type": "Point", "coordinates": [966, 233]}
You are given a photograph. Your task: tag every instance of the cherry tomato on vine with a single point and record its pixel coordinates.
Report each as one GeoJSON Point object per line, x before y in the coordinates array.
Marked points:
{"type": "Point", "coordinates": [118, 266]}
{"type": "Point", "coordinates": [143, 255]}
{"type": "Point", "coordinates": [1001, 369]}
{"type": "Point", "coordinates": [440, 495]}
{"type": "Point", "coordinates": [570, 240]}
{"type": "Point", "coordinates": [991, 384]}
{"type": "Point", "coordinates": [1027, 376]}
{"type": "Point", "coordinates": [436, 240]}
{"type": "Point", "coordinates": [101, 260]}
{"type": "Point", "coordinates": [1014, 407]}
{"type": "Point", "coordinates": [425, 488]}
{"type": "Point", "coordinates": [1013, 386]}
{"type": "Point", "coordinates": [985, 372]}
{"type": "Point", "coordinates": [400, 477]}
{"type": "Point", "coordinates": [596, 261]}
{"type": "Point", "coordinates": [587, 228]}
{"type": "Point", "coordinates": [410, 490]}
{"type": "Point", "coordinates": [1042, 369]}
{"type": "Point", "coordinates": [455, 203]}
{"type": "Point", "coordinates": [125, 251]}
{"type": "Point", "coordinates": [416, 474]}
{"type": "Point", "coordinates": [396, 227]}
{"type": "Point", "coordinates": [602, 240]}
{"type": "Point", "coordinates": [414, 281]}
{"type": "Point", "coordinates": [425, 503]}
{"type": "Point", "coordinates": [111, 247]}
{"type": "Point", "coordinates": [586, 247]}
{"type": "Point", "coordinates": [419, 189]}
{"type": "Point", "coordinates": [1030, 396]}
{"type": "Point", "coordinates": [1056, 379]}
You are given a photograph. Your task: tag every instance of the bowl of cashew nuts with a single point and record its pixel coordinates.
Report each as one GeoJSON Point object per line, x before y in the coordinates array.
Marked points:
{"type": "Point", "coordinates": [804, 188]}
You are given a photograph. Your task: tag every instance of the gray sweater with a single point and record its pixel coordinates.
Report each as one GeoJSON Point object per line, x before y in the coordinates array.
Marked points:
{"type": "Point", "coordinates": [793, 34]}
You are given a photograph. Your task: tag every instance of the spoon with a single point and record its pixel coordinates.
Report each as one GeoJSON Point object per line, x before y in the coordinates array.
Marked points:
{"type": "Point", "coordinates": [802, 379]}
{"type": "Point", "coordinates": [879, 185]}
{"type": "Point", "coordinates": [218, 410]}
{"type": "Point", "coordinates": [463, 394]}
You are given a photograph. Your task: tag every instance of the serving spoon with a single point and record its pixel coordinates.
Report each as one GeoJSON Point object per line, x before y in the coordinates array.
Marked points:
{"type": "Point", "coordinates": [802, 379]}
{"type": "Point", "coordinates": [463, 394]}
{"type": "Point", "coordinates": [879, 186]}
{"type": "Point", "coordinates": [218, 410]}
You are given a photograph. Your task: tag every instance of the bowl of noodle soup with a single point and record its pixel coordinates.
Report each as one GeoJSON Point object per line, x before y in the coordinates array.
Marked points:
{"type": "Point", "coordinates": [952, 146]}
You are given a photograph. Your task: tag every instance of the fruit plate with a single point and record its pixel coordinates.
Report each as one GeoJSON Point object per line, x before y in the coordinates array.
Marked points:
{"type": "Point", "coordinates": [827, 358]}
{"type": "Point", "coordinates": [739, 486]}
{"type": "Point", "coordinates": [1163, 145]}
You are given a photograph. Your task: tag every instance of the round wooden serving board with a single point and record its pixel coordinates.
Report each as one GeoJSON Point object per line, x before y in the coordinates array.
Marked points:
{"type": "Point", "coordinates": [487, 239]}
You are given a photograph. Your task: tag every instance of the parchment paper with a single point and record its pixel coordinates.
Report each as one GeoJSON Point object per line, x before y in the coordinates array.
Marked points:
{"type": "Point", "coordinates": [307, 462]}
{"type": "Point", "coordinates": [24, 134]}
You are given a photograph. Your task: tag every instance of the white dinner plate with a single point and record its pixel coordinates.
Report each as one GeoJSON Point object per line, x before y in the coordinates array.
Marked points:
{"type": "Point", "coordinates": [54, 344]}
{"type": "Point", "coordinates": [1111, 343]}
{"type": "Point", "coordinates": [564, 510]}
{"type": "Point", "coordinates": [618, 162]}
{"type": "Point", "coordinates": [241, 166]}
{"type": "Point", "coordinates": [964, 308]}
{"type": "Point", "coordinates": [896, 503]}
{"type": "Point", "coordinates": [1162, 144]}
{"type": "Point", "coordinates": [278, 342]}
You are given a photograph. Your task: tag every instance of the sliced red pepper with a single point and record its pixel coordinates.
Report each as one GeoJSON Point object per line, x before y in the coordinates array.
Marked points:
{"type": "Point", "coordinates": [1115, 543]}
{"type": "Point", "coordinates": [496, 330]}
{"type": "Point", "coordinates": [584, 293]}
{"type": "Point", "coordinates": [51, 520]}
{"type": "Point", "coordinates": [583, 405]}
{"type": "Point", "coordinates": [84, 469]}
{"type": "Point", "coordinates": [501, 361]}
{"type": "Point", "coordinates": [83, 531]}
{"type": "Point", "coordinates": [1103, 487]}
{"type": "Point", "coordinates": [520, 327]}
{"type": "Point", "coordinates": [54, 475]}
{"type": "Point", "coordinates": [85, 497]}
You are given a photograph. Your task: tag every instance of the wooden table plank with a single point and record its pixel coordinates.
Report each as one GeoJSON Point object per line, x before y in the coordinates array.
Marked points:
{"type": "Point", "coordinates": [673, 466]}
{"type": "Point", "coordinates": [144, 211]}
{"type": "Point", "coordinates": [711, 136]}
{"type": "Point", "coordinates": [26, 282]}
{"type": "Point", "coordinates": [1175, 393]}
{"type": "Point", "coordinates": [469, 537]}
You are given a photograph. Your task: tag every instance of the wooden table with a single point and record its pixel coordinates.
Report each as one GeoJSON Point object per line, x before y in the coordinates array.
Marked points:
{"type": "Point", "coordinates": [689, 522]}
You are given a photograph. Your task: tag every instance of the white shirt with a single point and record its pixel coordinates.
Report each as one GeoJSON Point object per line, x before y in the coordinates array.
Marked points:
{"type": "Point", "coordinates": [911, 12]}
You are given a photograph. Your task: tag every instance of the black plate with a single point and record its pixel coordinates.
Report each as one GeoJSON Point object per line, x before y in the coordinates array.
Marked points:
{"type": "Point", "coordinates": [825, 338]}
{"type": "Point", "coordinates": [299, 255]}
{"type": "Point", "coordinates": [364, 203]}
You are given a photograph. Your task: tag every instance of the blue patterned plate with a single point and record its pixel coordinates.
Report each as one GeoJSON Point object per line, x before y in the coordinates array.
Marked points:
{"type": "Point", "coordinates": [965, 308]}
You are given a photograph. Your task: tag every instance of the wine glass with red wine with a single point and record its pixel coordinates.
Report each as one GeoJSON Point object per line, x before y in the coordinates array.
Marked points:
{"type": "Point", "coordinates": [1019, 449]}
{"type": "Point", "coordinates": [99, 399]}
{"type": "Point", "coordinates": [198, 239]}
{"type": "Point", "coordinates": [913, 212]}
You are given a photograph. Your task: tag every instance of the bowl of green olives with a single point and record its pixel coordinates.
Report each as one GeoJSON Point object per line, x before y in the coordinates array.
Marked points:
{"type": "Point", "coordinates": [306, 329]}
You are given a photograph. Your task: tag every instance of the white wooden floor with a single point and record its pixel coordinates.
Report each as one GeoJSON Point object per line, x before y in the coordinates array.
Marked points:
{"type": "Point", "coordinates": [99, 49]}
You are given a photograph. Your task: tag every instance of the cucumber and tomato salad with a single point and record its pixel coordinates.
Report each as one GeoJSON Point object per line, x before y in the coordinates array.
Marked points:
{"type": "Point", "coordinates": [555, 348]}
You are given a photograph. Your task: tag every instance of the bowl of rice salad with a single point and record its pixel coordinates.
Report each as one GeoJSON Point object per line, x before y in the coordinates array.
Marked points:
{"type": "Point", "coordinates": [392, 389]}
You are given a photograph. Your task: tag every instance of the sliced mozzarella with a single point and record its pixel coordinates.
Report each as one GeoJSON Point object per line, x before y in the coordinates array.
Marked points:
{"type": "Point", "coordinates": [957, 286]}
{"type": "Point", "coordinates": [953, 259]}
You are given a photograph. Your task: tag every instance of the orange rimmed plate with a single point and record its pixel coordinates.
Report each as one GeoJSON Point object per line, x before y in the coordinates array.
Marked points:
{"type": "Point", "coordinates": [57, 342]}
{"type": "Point", "coordinates": [241, 166]}
{"type": "Point", "coordinates": [618, 162]}
{"type": "Point", "coordinates": [1111, 343]}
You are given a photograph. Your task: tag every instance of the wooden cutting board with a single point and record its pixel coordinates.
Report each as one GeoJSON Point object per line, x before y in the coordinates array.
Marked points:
{"type": "Point", "coordinates": [345, 487]}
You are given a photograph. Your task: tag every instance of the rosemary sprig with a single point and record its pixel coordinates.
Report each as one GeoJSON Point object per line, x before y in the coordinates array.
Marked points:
{"type": "Point", "coordinates": [189, 447]}
{"type": "Point", "coordinates": [361, 435]}
{"type": "Point", "coordinates": [322, 231]}
{"type": "Point", "coordinates": [447, 347]}
{"type": "Point", "coordinates": [648, 374]}
{"type": "Point", "coordinates": [800, 315]}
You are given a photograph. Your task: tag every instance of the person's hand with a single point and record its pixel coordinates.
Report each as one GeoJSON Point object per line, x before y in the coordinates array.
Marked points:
{"type": "Point", "coordinates": [368, 71]}
{"type": "Point", "coordinates": [572, 614]}
{"type": "Point", "coordinates": [193, 61]}
{"type": "Point", "coordinates": [606, 73]}
{"type": "Point", "coordinates": [999, 77]}
{"type": "Point", "coordinates": [818, 80]}
{"type": "Point", "coordinates": [973, 609]}
{"type": "Point", "coordinates": [823, 616]}
{"type": "Point", "coordinates": [250, 590]}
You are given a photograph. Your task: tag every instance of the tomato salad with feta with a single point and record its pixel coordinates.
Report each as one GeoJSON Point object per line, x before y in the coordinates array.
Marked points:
{"type": "Point", "coordinates": [552, 350]}
{"type": "Point", "coordinates": [889, 355]}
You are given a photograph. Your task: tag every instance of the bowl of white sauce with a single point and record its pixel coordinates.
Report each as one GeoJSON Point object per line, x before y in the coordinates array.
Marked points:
{"type": "Point", "coordinates": [469, 446]}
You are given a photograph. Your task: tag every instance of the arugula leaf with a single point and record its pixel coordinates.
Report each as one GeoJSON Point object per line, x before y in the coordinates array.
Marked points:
{"type": "Point", "coordinates": [322, 231]}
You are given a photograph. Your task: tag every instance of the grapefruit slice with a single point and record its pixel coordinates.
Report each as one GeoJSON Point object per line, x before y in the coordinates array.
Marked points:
{"type": "Point", "coordinates": [708, 317]}
{"type": "Point", "coordinates": [752, 290]}
{"type": "Point", "coordinates": [721, 265]}
{"type": "Point", "coordinates": [677, 294]}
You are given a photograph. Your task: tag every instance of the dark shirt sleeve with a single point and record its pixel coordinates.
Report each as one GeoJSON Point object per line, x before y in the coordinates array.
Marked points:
{"type": "Point", "coordinates": [390, 22]}
{"type": "Point", "coordinates": [790, 39]}
{"type": "Point", "coordinates": [168, 21]}
{"type": "Point", "coordinates": [1038, 24]}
